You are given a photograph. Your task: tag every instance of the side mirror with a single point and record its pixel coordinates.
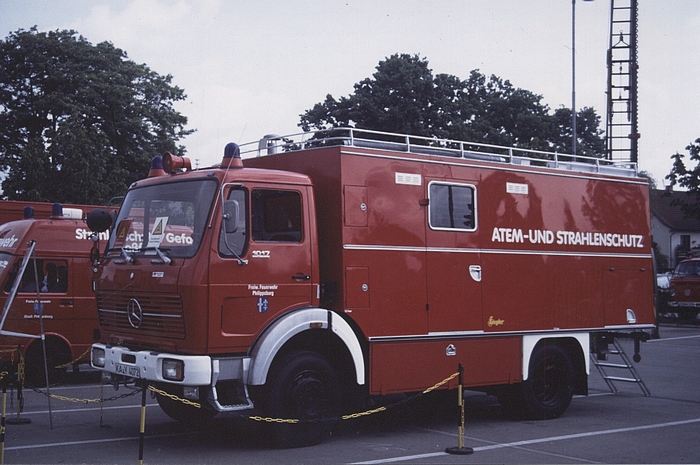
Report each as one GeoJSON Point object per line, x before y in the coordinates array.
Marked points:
{"type": "Point", "coordinates": [99, 220]}
{"type": "Point", "coordinates": [231, 216]}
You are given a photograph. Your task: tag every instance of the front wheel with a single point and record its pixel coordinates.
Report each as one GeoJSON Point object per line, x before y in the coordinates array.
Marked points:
{"type": "Point", "coordinates": [185, 413]}
{"type": "Point", "coordinates": [687, 314]}
{"type": "Point", "coordinates": [303, 386]}
{"type": "Point", "coordinates": [58, 355]}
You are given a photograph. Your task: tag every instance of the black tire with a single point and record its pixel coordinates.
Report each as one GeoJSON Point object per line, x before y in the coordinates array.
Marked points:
{"type": "Point", "coordinates": [57, 354]}
{"type": "Point", "coordinates": [548, 391]}
{"type": "Point", "coordinates": [183, 413]}
{"type": "Point", "coordinates": [687, 314]}
{"type": "Point", "coordinates": [303, 386]}
{"type": "Point", "coordinates": [512, 401]}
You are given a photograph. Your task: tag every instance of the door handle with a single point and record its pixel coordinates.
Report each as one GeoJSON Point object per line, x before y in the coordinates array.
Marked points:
{"type": "Point", "coordinates": [475, 272]}
{"type": "Point", "coordinates": [301, 276]}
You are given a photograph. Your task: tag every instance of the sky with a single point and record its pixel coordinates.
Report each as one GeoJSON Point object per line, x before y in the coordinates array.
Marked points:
{"type": "Point", "coordinates": [251, 68]}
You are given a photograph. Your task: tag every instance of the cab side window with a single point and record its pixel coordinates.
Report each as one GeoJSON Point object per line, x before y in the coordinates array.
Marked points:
{"type": "Point", "coordinates": [452, 206]}
{"type": "Point", "coordinates": [276, 216]}
{"type": "Point", "coordinates": [52, 276]}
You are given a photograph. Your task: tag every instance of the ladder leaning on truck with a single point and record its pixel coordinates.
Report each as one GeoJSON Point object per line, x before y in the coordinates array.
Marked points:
{"type": "Point", "coordinates": [333, 266]}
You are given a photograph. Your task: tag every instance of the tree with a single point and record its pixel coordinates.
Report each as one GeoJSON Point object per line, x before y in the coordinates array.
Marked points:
{"type": "Point", "coordinates": [404, 96]}
{"type": "Point", "coordinates": [80, 122]}
{"type": "Point", "coordinates": [689, 179]}
{"type": "Point", "coordinates": [589, 137]}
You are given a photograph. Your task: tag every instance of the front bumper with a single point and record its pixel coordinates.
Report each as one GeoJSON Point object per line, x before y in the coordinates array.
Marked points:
{"type": "Point", "coordinates": [143, 364]}
{"type": "Point", "coordinates": [684, 304]}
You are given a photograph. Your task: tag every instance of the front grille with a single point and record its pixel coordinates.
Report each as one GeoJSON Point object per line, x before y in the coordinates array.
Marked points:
{"type": "Point", "coordinates": [159, 315]}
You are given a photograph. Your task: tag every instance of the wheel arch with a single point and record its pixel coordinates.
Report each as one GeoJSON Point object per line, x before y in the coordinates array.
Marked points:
{"type": "Point", "coordinates": [50, 339]}
{"type": "Point", "coordinates": [305, 329]}
{"type": "Point", "coordinates": [576, 344]}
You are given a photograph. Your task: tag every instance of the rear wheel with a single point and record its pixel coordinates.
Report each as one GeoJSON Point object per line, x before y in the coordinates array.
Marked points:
{"type": "Point", "coordinates": [548, 391]}
{"type": "Point", "coordinates": [550, 387]}
{"type": "Point", "coordinates": [303, 386]}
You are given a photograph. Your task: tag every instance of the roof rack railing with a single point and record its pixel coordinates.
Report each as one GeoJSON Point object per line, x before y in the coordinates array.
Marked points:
{"type": "Point", "coordinates": [432, 146]}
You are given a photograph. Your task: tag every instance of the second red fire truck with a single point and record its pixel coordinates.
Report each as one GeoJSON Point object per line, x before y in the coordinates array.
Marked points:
{"type": "Point", "coordinates": [57, 277]}
{"type": "Point", "coordinates": [327, 268]}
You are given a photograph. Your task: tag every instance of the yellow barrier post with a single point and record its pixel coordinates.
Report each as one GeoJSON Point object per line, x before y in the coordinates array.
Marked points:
{"type": "Point", "coordinates": [142, 431]}
{"type": "Point", "coordinates": [20, 394]}
{"type": "Point", "coordinates": [102, 403]}
{"type": "Point", "coordinates": [460, 449]}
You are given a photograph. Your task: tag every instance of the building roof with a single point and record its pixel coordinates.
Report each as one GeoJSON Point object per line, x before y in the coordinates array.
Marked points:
{"type": "Point", "coordinates": [663, 209]}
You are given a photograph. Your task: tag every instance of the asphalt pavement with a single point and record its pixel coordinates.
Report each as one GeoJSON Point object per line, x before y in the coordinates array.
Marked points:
{"type": "Point", "coordinates": [604, 427]}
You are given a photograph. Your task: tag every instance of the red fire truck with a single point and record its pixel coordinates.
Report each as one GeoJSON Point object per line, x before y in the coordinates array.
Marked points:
{"type": "Point", "coordinates": [330, 267]}
{"type": "Point", "coordinates": [62, 284]}
{"type": "Point", "coordinates": [685, 289]}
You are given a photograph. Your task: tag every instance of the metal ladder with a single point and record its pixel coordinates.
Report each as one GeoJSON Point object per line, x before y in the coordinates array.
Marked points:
{"type": "Point", "coordinates": [626, 364]}
{"type": "Point", "coordinates": [622, 133]}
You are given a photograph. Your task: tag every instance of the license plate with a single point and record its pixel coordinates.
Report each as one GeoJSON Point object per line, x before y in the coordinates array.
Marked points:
{"type": "Point", "coordinates": [128, 370]}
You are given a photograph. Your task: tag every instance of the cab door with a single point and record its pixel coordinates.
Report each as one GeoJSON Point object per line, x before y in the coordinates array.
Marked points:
{"type": "Point", "coordinates": [51, 284]}
{"type": "Point", "coordinates": [266, 264]}
{"type": "Point", "coordinates": [453, 257]}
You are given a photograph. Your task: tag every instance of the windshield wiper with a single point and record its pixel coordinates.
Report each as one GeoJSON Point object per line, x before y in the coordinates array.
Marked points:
{"type": "Point", "coordinates": [161, 254]}
{"type": "Point", "coordinates": [122, 251]}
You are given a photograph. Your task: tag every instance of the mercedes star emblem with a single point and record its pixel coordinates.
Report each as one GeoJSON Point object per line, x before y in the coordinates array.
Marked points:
{"type": "Point", "coordinates": [135, 313]}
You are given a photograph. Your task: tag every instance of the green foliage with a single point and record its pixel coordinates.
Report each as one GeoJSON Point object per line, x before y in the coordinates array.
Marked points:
{"type": "Point", "coordinates": [403, 96]}
{"type": "Point", "coordinates": [649, 177]}
{"type": "Point", "coordinates": [589, 138]}
{"type": "Point", "coordinates": [688, 179]}
{"type": "Point", "coordinates": [80, 122]}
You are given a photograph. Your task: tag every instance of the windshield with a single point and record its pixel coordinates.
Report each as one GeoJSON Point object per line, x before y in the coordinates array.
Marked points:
{"type": "Point", "coordinates": [688, 269]}
{"type": "Point", "coordinates": [168, 218]}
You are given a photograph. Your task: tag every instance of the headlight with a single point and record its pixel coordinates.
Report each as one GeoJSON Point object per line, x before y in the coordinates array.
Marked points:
{"type": "Point", "coordinates": [97, 358]}
{"type": "Point", "coordinates": [173, 370]}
